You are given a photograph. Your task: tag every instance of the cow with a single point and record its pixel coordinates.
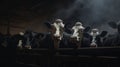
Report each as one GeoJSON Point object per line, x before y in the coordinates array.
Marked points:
{"type": "Point", "coordinates": [24, 40]}
{"type": "Point", "coordinates": [97, 38]}
{"type": "Point", "coordinates": [94, 33]}
{"type": "Point", "coordinates": [55, 34]}
{"type": "Point", "coordinates": [27, 40]}
{"type": "Point", "coordinates": [20, 42]}
{"type": "Point", "coordinates": [113, 39]}
{"type": "Point", "coordinates": [30, 39]}
{"type": "Point", "coordinates": [17, 41]}
{"type": "Point", "coordinates": [77, 35]}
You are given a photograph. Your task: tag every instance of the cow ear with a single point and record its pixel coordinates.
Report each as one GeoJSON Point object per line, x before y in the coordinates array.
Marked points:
{"type": "Point", "coordinates": [112, 24]}
{"type": "Point", "coordinates": [103, 34]}
{"type": "Point", "coordinates": [87, 29]}
{"type": "Point", "coordinates": [48, 25]}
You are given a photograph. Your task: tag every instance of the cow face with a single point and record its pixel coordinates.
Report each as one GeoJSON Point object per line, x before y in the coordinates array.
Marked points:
{"type": "Point", "coordinates": [77, 31]}
{"type": "Point", "coordinates": [29, 36]}
{"type": "Point", "coordinates": [57, 29]}
{"type": "Point", "coordinates": [94, 33]}
{"type": "Point", "coordinates": [20, 41]}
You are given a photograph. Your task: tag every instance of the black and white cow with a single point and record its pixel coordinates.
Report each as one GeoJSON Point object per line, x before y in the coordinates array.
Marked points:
{"type": "Point", "coordinates": [55, 34]}
{"type": "Point", "coordinates": [96, 38]}
{"type": "Point", "coordinates": [32, 39]}
{"type": "Point", "coordinates": [78, 38]}
{"type": "Point", "coordinates": [17, 41]}
{"type": "Point", "coordinates": [113, 39]}
{"type": "Point", "coordinates": [23, 40]}
{"type": "Point", "coordinates": [94, 33]}
{"type": "Point", "coordinates": [77, 35]}
{"type": "Point", "coordinates": [29, 38]}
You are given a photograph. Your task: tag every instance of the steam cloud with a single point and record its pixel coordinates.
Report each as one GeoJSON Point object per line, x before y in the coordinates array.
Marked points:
{"type": "Point", "coordinates": [96, 13]}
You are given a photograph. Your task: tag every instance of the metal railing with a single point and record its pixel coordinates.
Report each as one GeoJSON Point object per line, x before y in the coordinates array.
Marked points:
{"type": "Point", "coordinates": [69, 57]}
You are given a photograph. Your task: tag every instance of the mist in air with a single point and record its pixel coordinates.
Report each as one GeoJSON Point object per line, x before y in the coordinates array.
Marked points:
{"type": "Point", "coordinates": [94, 13]}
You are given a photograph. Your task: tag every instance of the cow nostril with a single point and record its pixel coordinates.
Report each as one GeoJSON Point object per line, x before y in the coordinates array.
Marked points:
{"type": "Point", "coordinates": [57, 37]}
{"type": "Point", "coordinates": [73, 37]}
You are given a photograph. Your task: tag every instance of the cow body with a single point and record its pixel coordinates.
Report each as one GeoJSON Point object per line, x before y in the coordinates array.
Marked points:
{"type": "Point", "coordinates": [17, 41]}
{"type": "Point", "coordinates": [113, 39]}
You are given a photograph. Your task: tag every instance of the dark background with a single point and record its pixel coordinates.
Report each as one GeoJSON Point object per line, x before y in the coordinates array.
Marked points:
{"type": "Point", "coordinates": [31, 14]}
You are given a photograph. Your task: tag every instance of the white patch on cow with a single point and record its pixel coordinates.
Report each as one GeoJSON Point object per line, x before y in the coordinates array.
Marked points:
{"type": "Point", "coordinates": [57, 32]}
{"type": "Point", "coordinates": [61, 25]}
{"type": "Point", "coordinates": [21, 33]}
{"type": "Point", "coordinates": [77, 31]}
{"type": "Point", "coordinates": [20, 43]}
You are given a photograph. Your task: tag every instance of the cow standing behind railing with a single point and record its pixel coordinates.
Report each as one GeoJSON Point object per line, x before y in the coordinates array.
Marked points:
{"type": "Point", "coordinates": [94, 33]}
{"type": "Point", "coordinates": [113, 39]}
{"type": "Point", "coordinates": [49, 39]}
{"type": "Point", "coordinates": [57, 32]}
{"type": "Point", "coordinates": [30, 37]}
{"type": "Point", "coordinates": [20, 41]}
{"type": "Point", "coordinates": [16, 41]}
{"type": "Point", "coordinates": [97, 38]}
{"type": "Point", "coordinates": [77, 35]}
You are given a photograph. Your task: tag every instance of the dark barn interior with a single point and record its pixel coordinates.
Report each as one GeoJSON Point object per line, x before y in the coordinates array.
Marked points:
{"type": "Point", "coordinates": [42, 33]}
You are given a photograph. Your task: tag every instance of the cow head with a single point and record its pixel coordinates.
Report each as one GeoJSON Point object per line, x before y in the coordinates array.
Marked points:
{"type": "Point", "coordinates": [28, 35]}
{"type": "Point", "coordinates": [77, 31]}
{"type": "Point", "coordinates": [94, 33]}
{"type": "Point", "coordinates": [57, 29]}
{"type": "Point", "coordinates": [20, 41]}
